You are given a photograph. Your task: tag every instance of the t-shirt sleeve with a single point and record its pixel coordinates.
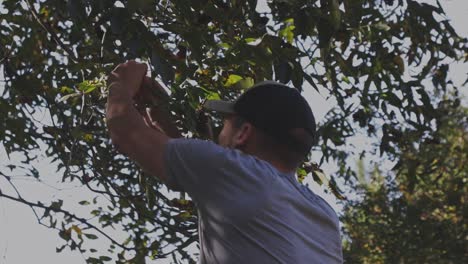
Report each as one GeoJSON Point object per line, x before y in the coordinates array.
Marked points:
{"type": "Point", "coordinates": [207, 171]}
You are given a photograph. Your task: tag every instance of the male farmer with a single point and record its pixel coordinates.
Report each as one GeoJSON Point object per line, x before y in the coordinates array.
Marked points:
{"type": "Point", "coordinates": [251, 209]}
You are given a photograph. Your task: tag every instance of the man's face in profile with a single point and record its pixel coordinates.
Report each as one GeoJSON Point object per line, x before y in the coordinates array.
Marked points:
{"type": "Point", "coordinates": [227, 134]}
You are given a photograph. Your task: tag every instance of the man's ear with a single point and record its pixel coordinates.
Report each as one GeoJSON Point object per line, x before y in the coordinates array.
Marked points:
{"type": "Point", "coordinates": [243, 134]}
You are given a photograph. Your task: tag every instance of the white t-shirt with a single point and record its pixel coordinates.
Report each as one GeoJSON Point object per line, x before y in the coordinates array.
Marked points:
{"type": "Point", "coordinates": [249, 212]}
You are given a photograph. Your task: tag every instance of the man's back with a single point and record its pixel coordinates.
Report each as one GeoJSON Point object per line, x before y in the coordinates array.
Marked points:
{"type": "Point", "coordinates": [250, 212]}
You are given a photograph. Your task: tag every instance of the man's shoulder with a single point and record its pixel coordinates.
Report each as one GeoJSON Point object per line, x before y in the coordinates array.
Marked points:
{"type": "Point", "coordinates": [209, 149]}
{"type": "Point", "coordinates": [205, 156]}
{"type": "Point", "coordinates": [191, 142]}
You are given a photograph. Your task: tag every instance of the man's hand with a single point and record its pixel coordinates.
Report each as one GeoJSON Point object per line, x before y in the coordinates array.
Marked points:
{"type": "Point", "coordinates": [126, 78]}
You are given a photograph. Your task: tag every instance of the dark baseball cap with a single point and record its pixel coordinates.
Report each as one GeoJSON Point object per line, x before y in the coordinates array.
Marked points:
{"type": "Point", "coordinates": [277, 109]}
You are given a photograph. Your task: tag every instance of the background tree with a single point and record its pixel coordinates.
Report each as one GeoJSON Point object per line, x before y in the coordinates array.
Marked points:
{"type": "Point", "coordinates": [374, 58]}
{"type": "Point", "coordinates": [415, 213]}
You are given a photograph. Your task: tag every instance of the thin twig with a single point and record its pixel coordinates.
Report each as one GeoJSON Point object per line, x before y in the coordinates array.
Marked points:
{"type": "Point", "coordinates": [8, 53]}
{"type": "Point", "coordinates": [8, 178]}
{"type": "Point", "coordinates": [66, 213]}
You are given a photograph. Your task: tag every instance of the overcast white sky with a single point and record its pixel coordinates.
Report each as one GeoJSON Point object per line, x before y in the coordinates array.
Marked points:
{"type": "Point", "coordinates": [23, 241]}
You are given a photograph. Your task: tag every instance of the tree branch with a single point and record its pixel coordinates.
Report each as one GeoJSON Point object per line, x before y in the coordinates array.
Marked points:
{"type": "Point", "coordinates": [51, 32]}
{"type": "Point", "coordinates": [66, 213]}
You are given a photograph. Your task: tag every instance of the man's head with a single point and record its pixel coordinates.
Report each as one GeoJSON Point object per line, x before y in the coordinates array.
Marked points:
{"type": "Point", "coordinates": [270, 120]}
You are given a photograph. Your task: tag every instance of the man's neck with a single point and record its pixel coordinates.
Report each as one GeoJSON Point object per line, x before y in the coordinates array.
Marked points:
{"type": "Point", "coordinates": [278, 164]}
{"type": "Point", "coordinates": [281, 167]}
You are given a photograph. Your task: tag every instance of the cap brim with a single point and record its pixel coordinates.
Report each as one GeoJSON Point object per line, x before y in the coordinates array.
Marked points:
{"type": "Point", "coordinates": [220, 106]}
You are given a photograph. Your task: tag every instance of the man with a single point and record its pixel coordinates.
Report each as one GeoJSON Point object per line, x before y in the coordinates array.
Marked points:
{"type": "Point", "coordinates": [251, 208]}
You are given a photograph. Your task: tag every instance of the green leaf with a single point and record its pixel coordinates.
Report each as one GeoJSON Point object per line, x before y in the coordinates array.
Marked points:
{"type": "Point", "coordinates": [60, 249]}
{"type": "Point", "coordinates": [76, 229]}
{"type": "Point", "coordinates": [185, 215]}
{"type": "Point", "coordinates": [88, 137]}
{"type": "Point", "coordinates": [245, 83]}
{"type": "Point", "coordinates": [65, 235]}
{"type": "Point", "coordinates": [382, 26]}
{"type": "Point", "coordinates": [224, 45]}
{"type": "Point", "coordinates": [232, 79]}
{"type": "Point", "coordinates": [288, 31]}
{"type": "Point", "coordinates": [66, 90]}
{"type": "Point", "coordinates": [105, 258]}
{"type": "Point", "coordinates": [320, 177]}
{"type": "Point", "coordinates": [92, 260]}
{"type": "Point", "coordinates": [90, 236]}
{"type": "Point", "coordinates": [213, 96]}
{"type": "Point", "coordinates": [95, 212]}
{"type": "Point", "coordinates": [283, 71]}
{"type": "Point", "coordinates": [84, 203]}
{"type": "Point", "coordinates": [68, 96]}
{"type": "Point", "coordinates": [56, 205]}
{"type": "Point", "coordinates": [301, 174]}
{"type": "Point", "coordinates": [253, 41]}
{"type": "Point", "coordinates": [87, 86]}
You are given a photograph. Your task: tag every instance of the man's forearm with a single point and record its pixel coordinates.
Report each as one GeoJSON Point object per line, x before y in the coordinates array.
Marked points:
{"type": "Point", "coordinates": [133, 137]}
{"type": "Point", "coordinates": [127, 128]}
{"type": "Point", "coordinates": [123, 119]}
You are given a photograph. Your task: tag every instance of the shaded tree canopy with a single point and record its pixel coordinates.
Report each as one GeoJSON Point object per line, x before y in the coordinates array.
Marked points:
{"type": "Point", "coordinates": [416, 213]}
{"type": "Point", "coordinates": [384, 63]}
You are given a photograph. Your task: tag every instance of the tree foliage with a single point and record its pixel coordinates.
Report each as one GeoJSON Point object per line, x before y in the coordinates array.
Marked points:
{"type": "Point", "coordinates": [416, 213]}
{"type": "Point", "coordinates": [374, 58]}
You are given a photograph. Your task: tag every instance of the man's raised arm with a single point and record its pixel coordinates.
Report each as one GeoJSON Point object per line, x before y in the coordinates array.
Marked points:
{"type": "Point", "coordinates": [127, 128]}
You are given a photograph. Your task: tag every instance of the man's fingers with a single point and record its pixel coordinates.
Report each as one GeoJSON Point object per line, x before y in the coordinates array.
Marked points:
{"type": "Point", "coordinates": [150, 122]}
{"type": "Point", "coordinates": [117, 68]}
{"type": "Point", "coordinates": [131, 66]}
{"type": "Point", "coordinates": [137, 70]}
{"type": "Point", "coordinates": [130, 74]}
{"type": "Point", "coordinates": [146, 118]}
{"type": "Point", "coordinates": [145, 68]}
{"type": "Point", "coordinates": [113, 77]}
{"type": "Point", "coordinates": [141, 68]}
{"type": "Point", "coordinates": [147, 83]}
